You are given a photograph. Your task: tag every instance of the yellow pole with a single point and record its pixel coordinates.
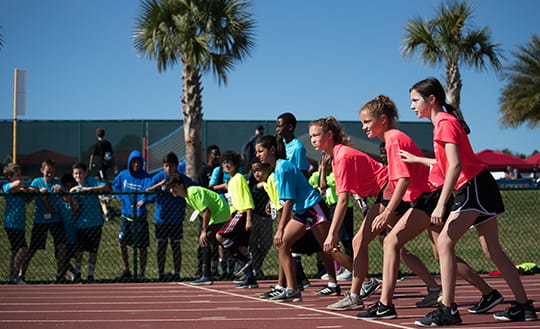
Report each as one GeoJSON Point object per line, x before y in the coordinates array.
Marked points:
{"type": "Point", "coordinates": [14, 157]}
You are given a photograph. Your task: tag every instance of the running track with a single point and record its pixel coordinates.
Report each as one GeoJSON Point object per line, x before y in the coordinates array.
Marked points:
{"type": "Point", "coordinates": [180, 305]}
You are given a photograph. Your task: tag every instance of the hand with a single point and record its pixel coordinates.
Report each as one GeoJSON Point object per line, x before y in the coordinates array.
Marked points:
{"type": "Point", "coordinates": [407, 157]}
{"type": "Point", "coordinates": [140, 203]}
{"type": "Point", "coordinates": [203, 240]}
{"type": "Point", "coordinates": [437, 216]}
{"type": "Point", "coordinates": [278, 239]}
{"type": "Point", "coordinates": [380, 221]}
{"type": "Point", "coordinates": [330, 244]}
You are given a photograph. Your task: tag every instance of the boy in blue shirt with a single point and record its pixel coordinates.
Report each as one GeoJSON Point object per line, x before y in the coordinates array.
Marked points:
{"type": "Point", "coordinates": [89, 221]}
{"type": "Point", "coordinates": [168, 216]}
{"type": "Point", "coordinates": [47, 218]}
{"type": "Point", "coordinates": [15, 220]}
{"type": "Point", "coordinates": [133, 223]}
{"type": "Point", "coordinates": [69, 213]}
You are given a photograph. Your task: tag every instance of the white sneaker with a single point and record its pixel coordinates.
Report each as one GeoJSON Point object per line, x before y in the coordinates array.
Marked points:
{"type": "Point", "coordinates": [338, 272]}
{"type": "Point", "coordinates": [346, 275]}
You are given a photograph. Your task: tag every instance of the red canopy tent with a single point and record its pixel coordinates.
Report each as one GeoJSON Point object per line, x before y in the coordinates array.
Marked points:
{"type": "Point", "coordinates": [499, 161]}
{"type": "Point", "coordinates": [534, 159]}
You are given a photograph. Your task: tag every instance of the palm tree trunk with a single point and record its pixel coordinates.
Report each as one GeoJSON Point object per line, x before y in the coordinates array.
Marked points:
{"type": "Point", "coordinates": [192, 111]}
{"type": "Point", "coordinates": [453, 84]}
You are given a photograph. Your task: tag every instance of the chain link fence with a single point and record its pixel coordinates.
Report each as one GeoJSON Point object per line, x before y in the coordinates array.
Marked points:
{"type": "Point", "coordinates": [519, 230]}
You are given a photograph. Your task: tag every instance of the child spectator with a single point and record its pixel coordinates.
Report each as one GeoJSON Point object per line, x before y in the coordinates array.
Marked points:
{"type": "Point", "coordinates": [69, 213]}
{"type": "Point", "coordinates": [260, 239]}
{"type": "Point", "coordinates": [90, 221]}
{"type": "Point", "coordinates": [235, 236]}
{"type": "Point", "coordinates": [47, 218]}
{"type": "Point", "coordinates": [168, 217]}
{"type": "Point", "coordinates": [15, 220]}
{"type": "Point", "coordinates": [214, 212]}
{"type": "Point", "coordinates": [133, 223]}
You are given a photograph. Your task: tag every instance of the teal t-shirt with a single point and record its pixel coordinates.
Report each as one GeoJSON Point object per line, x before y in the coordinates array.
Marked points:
{"type": "Point", "coordinates": [200, 198]}
{"type": "Point", "coordinates": [41, 213]}
{"type": "Point", "coordinates": [15, 212]}
{"type": "Point", "coordinates": [90, 210]}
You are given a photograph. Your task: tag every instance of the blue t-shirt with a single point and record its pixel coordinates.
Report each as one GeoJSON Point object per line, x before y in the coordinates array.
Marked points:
{"type": "Point", "coordinates": [296, 153]}
{"type": "Point", "coordinates": [214, 180]}
{"type": "Point", "coordinates": [15, 212]}
{"type": "Point", "coordinates": [41, 213]}
{"type": "Point", "coordinates": [169, 209]}
{"type": "Point", "coordinates": [292, 184]}
{"type": "Point", "coordinates": [90, 209]}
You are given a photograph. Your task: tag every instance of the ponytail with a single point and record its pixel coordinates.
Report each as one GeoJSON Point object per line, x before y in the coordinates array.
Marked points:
{"type": "Point", "coordinates": [268, 141]}
{"type": "Point", "coordinates": [459, 115]}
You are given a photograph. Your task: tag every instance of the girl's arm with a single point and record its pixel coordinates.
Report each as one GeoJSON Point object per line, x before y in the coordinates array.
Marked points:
{"type": "Point", "coordinates": [286, 214]}
{"type": "Point", "coordinates": [331, 241]}
{"type": "Point", "coordinates": [384, 217]}
{"type": "Point", "coordinates": [411, 158]}
{"type": "Point", "coordinates": [452, 174]}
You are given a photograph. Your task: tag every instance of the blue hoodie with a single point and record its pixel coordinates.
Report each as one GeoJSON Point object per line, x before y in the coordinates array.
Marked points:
{"type": "Point", "coordinates": [128, 181]}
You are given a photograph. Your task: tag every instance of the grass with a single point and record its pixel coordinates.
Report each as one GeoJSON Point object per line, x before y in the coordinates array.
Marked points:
{"type": "Point", "coordinates": [519, 230]}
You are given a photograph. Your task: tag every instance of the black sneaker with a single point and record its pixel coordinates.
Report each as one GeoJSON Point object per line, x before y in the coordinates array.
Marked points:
{"type": "Point", "coordinates": [124, 276]}
{"type": "Point", "coordinates": [248, 283]}
{"type": "Point", "coordinates": [76, 278]}
{"type": "Point", "coordinates": [242, 265]}
{"type": "Point", "coordinates": [329, 291]}
{"type": "Point", "coordinates": [487, 302]}
{"type": "Point", "coordinates": [443, 316]}
{"type": "Point", "coordinates": [378, 311]}
{"type": "Point", "coordinates": [517, 312]}
{"type": "Point", "coordinates": [273, 292]}
{"type": "Point", "coordinates": [90, 279]}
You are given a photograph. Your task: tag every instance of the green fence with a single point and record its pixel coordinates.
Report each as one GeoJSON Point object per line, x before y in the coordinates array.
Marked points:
{"type": "Point", "coordinates": [519, 230]}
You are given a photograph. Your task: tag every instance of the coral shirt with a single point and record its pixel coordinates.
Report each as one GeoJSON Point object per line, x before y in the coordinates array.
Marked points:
{"type": "Point", "coordinates": [396, 140]}
{"type": "Point", "coordinates": [356, 172]}
{"type": "Point", "coordinates": [449, 130]}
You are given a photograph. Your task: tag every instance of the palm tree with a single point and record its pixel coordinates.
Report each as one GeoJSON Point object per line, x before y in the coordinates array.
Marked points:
{"type": "Point", "coordinates": [205, 35]}
{"type": "Point", "coordinates": [520, 99]}
{"type": "Point", "coordinates": [449, 39]}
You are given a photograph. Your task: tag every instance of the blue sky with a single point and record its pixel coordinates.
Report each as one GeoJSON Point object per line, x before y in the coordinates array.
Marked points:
{"type": "Point", "coordinates": [313, 58]}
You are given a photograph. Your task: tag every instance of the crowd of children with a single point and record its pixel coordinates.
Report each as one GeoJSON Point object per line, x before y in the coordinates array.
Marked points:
{"type": "Point", "coordinates": [313, 210]}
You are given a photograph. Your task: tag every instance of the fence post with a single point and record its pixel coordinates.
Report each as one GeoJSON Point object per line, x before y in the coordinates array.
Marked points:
{"type": "Point", "coordinates": [134, 234]}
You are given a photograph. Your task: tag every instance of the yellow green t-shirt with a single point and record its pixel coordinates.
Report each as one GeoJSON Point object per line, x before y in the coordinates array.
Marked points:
{"type": "Point", "coordinates": [200, 198]}
{"type": "Point", "coordinates": [239, 195]}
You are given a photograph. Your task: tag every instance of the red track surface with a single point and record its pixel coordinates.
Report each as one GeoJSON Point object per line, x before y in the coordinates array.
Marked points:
{"type": "Point", "coordinates": [180, 305]}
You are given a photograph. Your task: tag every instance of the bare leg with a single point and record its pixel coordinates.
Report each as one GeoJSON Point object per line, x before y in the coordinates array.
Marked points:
{"type": "Point", "coordinates": [489, 239]}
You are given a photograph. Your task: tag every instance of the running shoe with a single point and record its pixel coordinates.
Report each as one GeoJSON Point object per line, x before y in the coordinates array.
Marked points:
{"type": "Point", "coordinates": [288, 295]}
{"type": "Point", "coordinates": [517, 312]}
{"type": "Point", "coordinates": [17, 280]}
{"type": "Point", "coordinates": [347, 303]}
{"type": "Point", "coordinates": [432, 298]}
{"type": "Point", "coordinates": [368, 288]}
{"type": "Point", "coordinates": [124, 276]}
{"type": "Point", "coordinates": [329, 291]}
{"type": "Point", "coordinates": [250, 283]}
{"type": "Point", "coordinates": [345, 275]}
{"type": "Point", "coordinates": [202, 281]}
{"type": "Point", "coordinates": [242, 265]}
{"type": "Point", "coordinates": [442, 316]}
{"type": "Point", "coordinates": [378, 311]}
{"type": "Point", "coordinates": [271, 293]}
{"type": "Point", "coordinates": [487, 302]}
